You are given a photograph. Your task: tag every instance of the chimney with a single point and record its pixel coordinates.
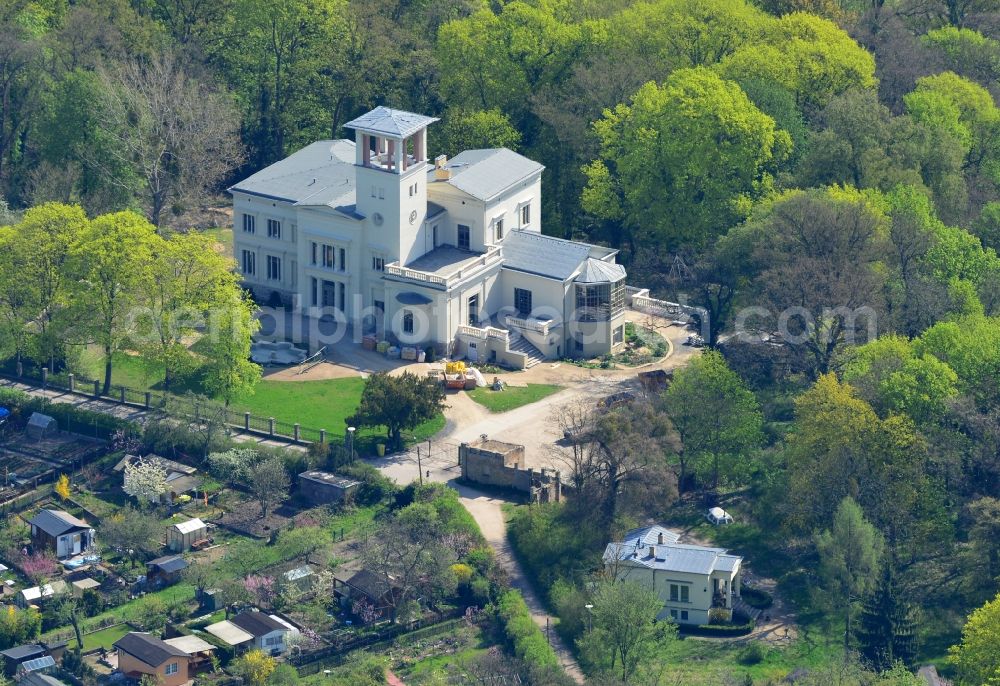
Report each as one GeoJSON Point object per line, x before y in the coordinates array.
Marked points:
{"type": "Point", "coordinates": [440, 161]}
{"type": "Point", "coordinates": [652, 551]}
{"type": "Point", "coordinates": [441, 172]}
{"type": "Point", "coordinates": [659, 538]}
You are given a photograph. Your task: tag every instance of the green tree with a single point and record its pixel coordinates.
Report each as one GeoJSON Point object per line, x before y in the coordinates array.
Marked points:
{"type": "Point", "coordinates": [850, 553]}
{"type": "Point", "coordinates": [717, 417]}
{"type": "Point", "coordinates": [229, 373]}
{"type": "Point", "coordinates": [887, 628]}
{"type": "Point", "coordinates": [625, 633]}
{"type": "Point", "coordinates": [133, 532]}
{"type": "Point", "coordinates": [662, 174]}
{"type": "Point", "coordinates": [977, 657]}
{"type": "Point", "coordinates": [268, 482]}
{"type": "Point", "coordinates": [399, 403]}
{"type": "Point", "coordinates": [463, 130]}
{"type": "Point", "coordinates": [113, 257]}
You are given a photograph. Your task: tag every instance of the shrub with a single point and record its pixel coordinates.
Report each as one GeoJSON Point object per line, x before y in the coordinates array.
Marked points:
{"type": "Point", "coordinates": [524, 635]}
{"type": "Point", "coordinates": [753, 653]}
{"type": "Point", "coordinates": [754, 597]}
{"type": "Point", "coordinates": [374, 489]}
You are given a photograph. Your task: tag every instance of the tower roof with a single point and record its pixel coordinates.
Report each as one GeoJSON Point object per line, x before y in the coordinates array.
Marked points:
{"type": "Point", "coordinates": [386, 121]}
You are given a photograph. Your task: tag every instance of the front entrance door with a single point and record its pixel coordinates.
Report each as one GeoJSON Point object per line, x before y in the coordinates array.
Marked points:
{"type": "Point", "coordinates": [329, 294]}
{"type": "Point", "coordinates": [76, 544]}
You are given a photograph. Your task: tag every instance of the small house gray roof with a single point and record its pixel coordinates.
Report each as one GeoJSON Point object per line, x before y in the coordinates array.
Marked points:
{"type": "Point", "coordinates": [18, 653]}
{"type": "Point", "coordinates": [257, 623]}
{"type": "Point", "coordinates": [488, 172]}
{"type": "Point", "coordinates": [321, 173]}
{"type": "Point", "coordinates": [40, 679]}
{"type": "Point", "coordinates": [329, 479]}
{"type": "Point", "coordinates": [148, 648]}
{"type": "Point", "coordinates": [57, 522]}
{"type": "Point", "coordinates": [169, 563]}
{"type": "Point", "coordinates": [386, 121]}
{"type": "Point", "coordinates": [554, 258]}
{"type": "Point", "coordinates": [599, 271]}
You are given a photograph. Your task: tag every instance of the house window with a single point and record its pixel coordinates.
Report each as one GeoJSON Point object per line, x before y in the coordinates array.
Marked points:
{"type": "Point", "coordinates": [343, 259]}
{"type": "Point", "coordinates": [373, 191]}
{"type": "Point", "coordinates": [673, 614]}
{"type": "Point", "coordinates": [272, 641]}
{"type": "Point", "coordinates": [248, 224]}
{"type": "Point", "coordinates": [328, 256]}
{"type": "Point", "coordinates": [314, 251]}
{"type": "Point", "coordinates": [273, 228]}
{"type": "Point", "coordinates": [463, 237]}
{"type": "Point", "coordinates": [381, 194]}
{"type": "Point", "coordinates": [341, 295]}
{"type": "Point", "coordinates": [474, 310]}
{"type": "Point", "coordinates": [522, 301]}
{"type": "Point", "coordinates": [407, 322]}
{"type": "Point", "coordinates": [499, 230]}
{"type": "Point", "coordinates": [679, 593]}
{"type": "Point", "coordinates": [273, 268]}
{"type": "Point", "coordinates": [378, 263]}
{"type": "Point", "coordinates": [618, 335]}
{"type": "Point", "coordinates": [526, 215]}
{"type": "Point", "coordinates": [172, 668]}
{"type": "Point", "coordinates": [249, 262]}
{"type": "Point", "coordinates": [684, 615]}
{"type": "Point", "coordinates": [315, 285]}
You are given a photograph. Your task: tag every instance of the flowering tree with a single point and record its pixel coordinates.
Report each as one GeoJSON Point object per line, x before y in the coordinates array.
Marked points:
{"type": "Point", "coordinates": [145, 481]}
{"type": "Point", "coordinates": [125, 442]}
{"type": "Point", "coordinates": [62, 486]}
{"type": "Point", "coordinates": [38, 566]}
{"type": "Point", "coordinates": [365, 611]}
{"type": "Point", "coordinates": [261, 588]}
{"type": "Point", "coordinates": [255, 667]}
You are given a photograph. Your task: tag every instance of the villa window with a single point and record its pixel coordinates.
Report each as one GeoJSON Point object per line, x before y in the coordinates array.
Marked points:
{"type": "Point", "coordinates": [684, 615]}
{"type": "Point", "coordinates": [679, 593]}
{"type": "Point", "coordinates": [273, 228]}
{"type": "Point", "coordinates": [249, 225]}
{"type": "Point", "coordinates": [315, 287]}
{"type": "Point", "coordinates": [341, 296]}
{"type": "Point", "coordinates": [673, 614]}
{"type": "Point", "coordinates": [328, 256]}
{"type": "Point", "coordinates": [378, 263]}
{"type": "Point", "coordinates": [499, 230]}
{"type": "Point", "coordinates": [522, 301]}
{"type": "Point", "coordinates": [474, 310]}
{"type": "Point", "coordinates": [526, 215]}
{"type": "Point", "coordinates": [249, 262]}
{"type": "Point", "coordinates": [463, 237]}
{"type": "Point", "coordinates": [407, 322]}
{"type": "Point", "coordinates": [599, 302]}
{"type": "Point", "coordinates": [273, 268]}
{"type": "Point", "coordinates": [171, 669]}
{"type": "Point", "coordinates": [343, 259]}
{"type": "Point", "coordinates": [315, 247]}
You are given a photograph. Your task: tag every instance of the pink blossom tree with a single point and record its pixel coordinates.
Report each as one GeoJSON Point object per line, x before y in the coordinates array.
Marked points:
{"type": "Point", "coordinates": [261, 588]}
{"type": "Point", "coordinates": [38, 566]}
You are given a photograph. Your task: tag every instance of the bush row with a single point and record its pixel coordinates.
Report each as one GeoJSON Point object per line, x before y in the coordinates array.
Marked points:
{"type": "Point", "coordinates": [70, 417]}
{"type": "Point", "coordinates": [717, 629]}
{"type": "Point", "coordinates": [528, 642]}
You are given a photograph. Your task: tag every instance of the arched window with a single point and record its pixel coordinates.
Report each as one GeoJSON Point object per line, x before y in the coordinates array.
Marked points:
{"type": "Point", "coordinates": [407, 322]}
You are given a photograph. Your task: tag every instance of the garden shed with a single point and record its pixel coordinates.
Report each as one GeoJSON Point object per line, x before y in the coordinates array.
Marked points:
{"type": "Point", "coordinates": [183, 535]}
{"type": "Point", "coordinates": [41, 425]}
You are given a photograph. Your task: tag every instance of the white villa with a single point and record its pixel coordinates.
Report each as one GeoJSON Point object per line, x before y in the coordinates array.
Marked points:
{"type": "Point", "coordinates": [449, 254]}
{"type": "Point", "coordinates": [690, 579]}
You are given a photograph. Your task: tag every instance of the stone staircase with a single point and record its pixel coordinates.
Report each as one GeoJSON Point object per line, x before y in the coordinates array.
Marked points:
{"type": "Point", "coordinates": [740, 606]}
{"type": "Point", "coordinates": [533, 355]}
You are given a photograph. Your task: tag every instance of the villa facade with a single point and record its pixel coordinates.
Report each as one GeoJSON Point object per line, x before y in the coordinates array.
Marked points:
{"type": "Point", "coordinates": [446, 254]}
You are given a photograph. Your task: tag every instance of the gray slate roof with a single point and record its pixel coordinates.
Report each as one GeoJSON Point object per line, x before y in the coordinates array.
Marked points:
{"type": "Point", "coordinates": [386, 121]}
{"type": "Point", "coordinates": [669, 556]}
{"type": "Point", "coordinates": [148, 648]}
{"type": "Point", "coordinates": [599, 271]}
{"type": "Point", "coordinates": [169, 563]}
{"type": "Point", "coordinates": [39, 679]}
{"type": "Point", "coordinates": [22, 652]}
{"type": "Point", "coordinates": [531, 252]}
{"type": "Point", "coordinates": [57, 522]}
{"type": "Point", "coordinates": [486, 173]}
{"type": "Point", "coordinates": [321, 173]}
{"type": "Point", "coordinates": [257, 623]}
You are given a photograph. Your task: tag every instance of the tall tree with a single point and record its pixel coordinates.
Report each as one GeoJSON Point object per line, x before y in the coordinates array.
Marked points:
{"type": "Point", "coordinates": [887, 627]}
{"type": "Point", "coordinates": [850, 553]}
{"type": "Point", "coordinates": [977, 657]}
{"type": "Point", "coordinates": [112, 258]}
{"type": "Point", "coordinates": [230, 374]}
{"type": "Point", "coordinates": [717, 416]}
{"type": "Point", "coordinates": [663, 176]}
{"type": "Point", "coordinates": [268, 482]}
{"type": "Point", "coordinates": [173, 133]}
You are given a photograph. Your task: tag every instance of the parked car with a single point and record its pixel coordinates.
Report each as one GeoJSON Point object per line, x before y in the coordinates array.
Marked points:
{"type": "Point", "coordinates": [718, 516]}
{"type": "Point", "coordinates": [695, 341]}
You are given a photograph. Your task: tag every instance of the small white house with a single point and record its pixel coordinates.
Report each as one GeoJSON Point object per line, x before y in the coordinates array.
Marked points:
{"type": "Point", "coordinates": [254, 629]}
{"type": "Point", "coordinates": [183, 535]}
{"type": "Point", "coordinates": [689, 579]}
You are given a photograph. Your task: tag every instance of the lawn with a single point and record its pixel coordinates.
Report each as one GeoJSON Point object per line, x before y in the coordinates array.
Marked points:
{"type": "Point", "coordinates": [126, 370]}
{"type": "Point", "coordinates": [512, 397]}
{"type": "Point", "coordinates": [224, 237]}
{"type": "Point", "coordinates": [322, 404]}
{"type": "Point", "coordinates": [134, 609]}
{"type": "Point", "coordinates": [104, 638]}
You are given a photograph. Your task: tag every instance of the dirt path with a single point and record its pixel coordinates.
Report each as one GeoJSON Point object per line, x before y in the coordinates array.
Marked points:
{"type": "Point", "coordinates": [489, 516]}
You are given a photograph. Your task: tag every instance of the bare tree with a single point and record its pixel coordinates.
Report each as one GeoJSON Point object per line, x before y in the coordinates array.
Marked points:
{"type": "Point", "coordinates": [176, 134]}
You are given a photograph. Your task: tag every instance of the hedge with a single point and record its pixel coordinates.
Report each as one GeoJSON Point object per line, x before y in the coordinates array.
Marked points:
{"type": "Point", "coordinates": [717, 629]}
{"type": "Point", "coordinates": [70, 417]}
{"type": "Point", "coordinates": [524, 635]}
